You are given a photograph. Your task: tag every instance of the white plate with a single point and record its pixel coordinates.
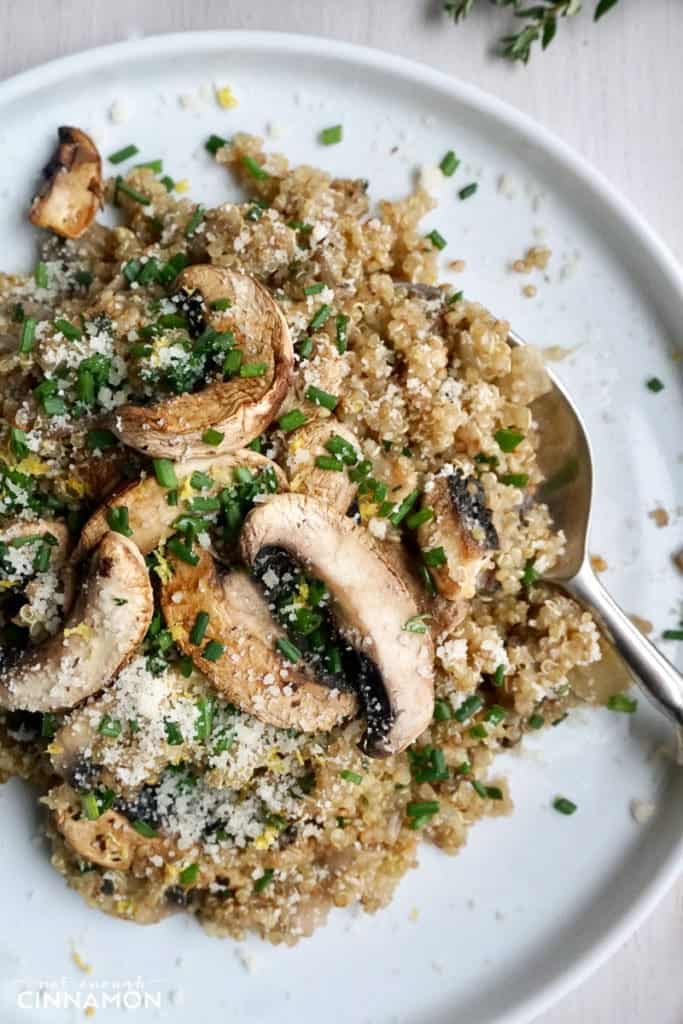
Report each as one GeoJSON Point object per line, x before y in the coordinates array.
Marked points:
{"type": "Point", "coordinates": [535, 901]}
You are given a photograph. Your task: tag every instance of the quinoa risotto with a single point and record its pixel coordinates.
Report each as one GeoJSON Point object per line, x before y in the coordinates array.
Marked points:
{"type": "Point", "coordinates": [270, 552]}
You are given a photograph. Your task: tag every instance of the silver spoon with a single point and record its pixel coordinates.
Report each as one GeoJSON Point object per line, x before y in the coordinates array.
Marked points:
{"type": "Point", "coordinates": [567, 466]}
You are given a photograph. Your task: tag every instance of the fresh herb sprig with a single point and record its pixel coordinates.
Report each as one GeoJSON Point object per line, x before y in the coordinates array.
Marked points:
{"type": "Point", "coordinates": [540, 21]}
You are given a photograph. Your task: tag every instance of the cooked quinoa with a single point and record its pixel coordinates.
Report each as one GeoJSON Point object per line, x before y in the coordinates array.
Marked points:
{"type": "Point", "coordinates": [188, 801]}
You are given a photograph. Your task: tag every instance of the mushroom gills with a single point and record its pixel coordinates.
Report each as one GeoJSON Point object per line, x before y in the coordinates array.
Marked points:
{"type": "Point", "coordinates": [463, 527]}
{"type": "Point", "coordinates": [371, 605]}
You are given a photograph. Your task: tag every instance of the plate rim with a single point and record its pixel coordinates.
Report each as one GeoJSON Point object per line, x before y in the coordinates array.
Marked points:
{"type": "Point", "coordinates": [590, 178]}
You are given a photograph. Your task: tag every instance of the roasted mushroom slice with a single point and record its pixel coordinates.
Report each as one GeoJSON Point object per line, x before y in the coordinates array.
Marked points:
{"type": "Point", "coordinates": [108, 621]}
{"type": "Point", "coordinates": [246, 667]}
{"type": "Point", "coordinates": [72, 192]}
{"type": "Point", "coordinates": [462, 529]}
{"type": "Point", "coordinates": [238, 408]}
{"type": "Point", "coordinates": [151, 517]}
{"type": "Point", "coordinates": [372, 605]}
{"type": "Point", "coordinates": [110, 841]}
{"type": "Point", "coordinates": [330, 439]}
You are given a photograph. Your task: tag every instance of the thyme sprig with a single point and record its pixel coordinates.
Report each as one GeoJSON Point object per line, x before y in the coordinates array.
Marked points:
{"type": "Point", "coordinates": [540, 21]}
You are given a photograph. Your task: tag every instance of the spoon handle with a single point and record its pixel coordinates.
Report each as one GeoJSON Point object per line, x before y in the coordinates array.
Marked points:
{"type": "Point", "coordinates": [657, 676]}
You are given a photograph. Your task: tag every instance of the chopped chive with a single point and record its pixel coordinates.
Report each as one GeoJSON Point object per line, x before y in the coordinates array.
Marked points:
{"type": "Point", "coordinates": [90, 806]}
{"type": "Point", "coordinates": [117, 518]}
{"type": "Point", "coordinates": [463, 769]}
{"type": "Point", "coordinates": [492, 792]}
{"type": "Point", "coordinates": [266, 878]}
{"type": "Point", "coordinates": [174, 736]}
{"type": "Point", "coordinates": [123, 154]}
{"type": "Point", "coordinates": [143, 829]}
{"type": "Point", "coordinates": [478, 732]}
{"type": "Point", "coordinates": [330, 462]}
{"type": "Point", "coordinates": [343, 449]}
{"type": "Point", "coordinates": [455, 297]}
{"type": "Point", "coordinates": [495, 714]}
{"type": "Point", "coordinates": [292, 420]}
{"type": "Point", "coordinates": [194, 221]}
{"type": "Point", "coordinates": [130, 270]}
{"type": "Point", "coordinates": [304, 347]}
{"type": "Point", "coordinates": [514, 479]}
{"type": "Point", "coordinates": [487, 460]}
{"type": "Point", "coordinates": [289, 650]}
{"type": "Point", "coordinates": [254, 168]}
{"type": "Point", "coordinates": [40, 275]}
{"type": "Point", "coordinates": [478, 788]}
{"type": "Point", "coordinates": [138, 197]}
{"type": "Point", "coordinates": [54, 405]}
{"type": "Point", "coordinates": [172, 498]}
{"type": "Point", "coordinates": [449, 164]}
{"type": "Point", "coordinates": [469, 707]}
{"type": "Point", "coordinates": [427, 580]}
{"type": "Point", "coordinates": [442, 711]}
{"type": "Point", "coordinates": [499, 675]}
{"type": "Point", "coordinates": [204, 723]}
{"type": "Point", "coordinates": [185, 666]}
{"type": "Point", "coordinates": [421, 812]}
{"type": "Point", "coordinates": [213, 651]}
{"type": "Point", "coordinates": [200, 481]}
{"type": "Point", "coordinates": [198, 631]}
{"type": "Point", "coordinates": [416, 624]}
{"type": "Point", "coordinates": [214, 143]}
{"type": "Point", "coordinates": [84, 278]}
{"type": "Point", "coordinates": [48, 725]}
{"type": "Point", "coordinates": [168, 183]}
{"type": "Point", "coordinates": [341, 324]}
{"type": "Point", "coordinates": [151, 165]}
{"type": "Point", "coordinates": [253, 369]}
{"type": "Point", "coordinates": [189, 875]}
{"type": "Point", "coordinates": [508, 439]}
{"type": "Point", "coordinates": [349, 776]}
{"type": "Point", "coordinates": [148, 275]}
{"type": "Point", "coordinates": [672, 634]}
{"type": "Point", "coordinates": [109, 727]}
{"type": "Point", "coordinates": [220, 305]}
{"type": "Point", "coordinates": [232, 361]}
{"type": "Point", "coordinates": [655, 385]}
{"type": "Point", "coordinates": [243, 475]}
{"type": "Point", "coordinates": [17, 313]}
{"type": "Point", "coordinates": [69, 330]}
{"type": "Point", "coordinates": [423, 515]}
{"type": "Point", "coordinates": [256, 445]}
{"type": "Point", "coordinates": [314, 289]}
{"type": "Point", "coordinates": [437, 240]}
{"type": "Point", "coordinates": [404, 507]}
{"type": "Point", "coordinates": [434, 557]}
{"type": "Point", "coordinates": [468, 190]}
{"type": "Point", "coordinates": [319, 397]}
{"type": "Point", "coordinates": [331, 136]}
{"type": "Point", "coordinates": [18, 444]}
{"type": "Point", "coordinates": [320, 318]}
{"type": "Point", "coordinates": [182, 551]}
{"type": "Point", "coordinates": [28, 335]}
{"type": "Point", "coordinates": [164, 471]}
{"type": "Point", "coordinates": [563, 805]}
{"type": "Point", "coordinates": [620, 702]}
{"type": "Point", "coordinates": [212, 437]}
{"type": "Point", "coordinates": [530, 574]}
{"type": "Point", "coordinates": [536, 721]}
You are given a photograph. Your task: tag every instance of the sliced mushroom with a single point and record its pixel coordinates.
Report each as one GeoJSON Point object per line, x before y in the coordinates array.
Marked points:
{"type": "Point", "coordinates": [373, 607]}
{"type": "Point", "coordinates": [150, 517]}
{"type": "Point", "coordinates": [72, 192]}
{"type": "Point", "coordinates": [239, 408]}
{"type": "Point", "coordinates": [250, 672]}
{"type": "Point", "coordinates": [109, 841]}
{"type": "Point", "coordinates": [303, 446]}
{"type": "Point", "coordinates": [462, 526]}
{"type": "Point", "coordinates": [108, 622]}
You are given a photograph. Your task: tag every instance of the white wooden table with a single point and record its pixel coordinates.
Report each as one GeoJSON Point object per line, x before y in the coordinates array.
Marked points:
{"type": "Point", "coordinates": [614, 92]}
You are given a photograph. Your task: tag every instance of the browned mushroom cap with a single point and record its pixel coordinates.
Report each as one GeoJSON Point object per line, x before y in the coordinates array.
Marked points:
{"type": "Point", "coordinates": [239, 408]}
{"type": "Point", "coordinates": [109, 620]}
{"type": "Point", "coordinates": [72, 193]}
{"type": "Point", "coordinates": [303, 446]}
{"type": "Point", "coordinates": [463, 527]}
{"type": "Point", "coordinates": [250, 672]}
{"type": "Point", "coordinates": [109, 841]}
{"type": "Point", "coordinates": [150, 517]}
{"type": "Point", "coordinates": [372, 603]}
